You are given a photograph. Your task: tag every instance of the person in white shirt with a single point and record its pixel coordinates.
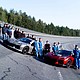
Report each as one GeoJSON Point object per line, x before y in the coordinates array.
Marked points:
{"type": "Point", "coordinates": [12, 29]}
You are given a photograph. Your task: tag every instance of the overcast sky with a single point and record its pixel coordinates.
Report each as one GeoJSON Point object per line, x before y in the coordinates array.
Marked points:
{"type": "Point", "coordinates": [59, 12]}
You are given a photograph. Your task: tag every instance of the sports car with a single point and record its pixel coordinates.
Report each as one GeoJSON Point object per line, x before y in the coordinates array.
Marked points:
{"type": "Point", "coordinates": [62, 57]}
{"type": "Point", "coordinates": [25, 45]}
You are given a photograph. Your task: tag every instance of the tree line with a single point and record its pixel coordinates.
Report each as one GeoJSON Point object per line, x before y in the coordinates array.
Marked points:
{"type": "Point", "coordinates": [22, 19]}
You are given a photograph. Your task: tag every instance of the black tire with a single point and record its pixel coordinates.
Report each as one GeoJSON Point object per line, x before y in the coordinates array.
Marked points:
{"type": "Point", "coordinates": [33, 51]}
{"type": "Point", "coordinates": [68, 65]}
{"type": "Point", "coordinates": [25, 50]}
{"type": "Point", "coordinates": [5, 41]}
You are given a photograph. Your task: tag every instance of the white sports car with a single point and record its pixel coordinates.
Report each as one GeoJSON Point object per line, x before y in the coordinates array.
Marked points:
{"type": "Point", "coordinates": [25, 45]}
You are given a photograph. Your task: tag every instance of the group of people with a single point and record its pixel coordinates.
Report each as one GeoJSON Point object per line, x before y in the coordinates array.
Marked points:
{"type": "Point", "coordinates": [6, 32]}
{"type": "Point", "coordinates": [38, 45]}
{"type": "Point", "coordinates": [41, 50]}
{"type": "Point", "coordinates": [56, 47]}
{"type": "Point", "coordinates": [18, 34]}
{"type": "Point", "coordinates": [10, 32]}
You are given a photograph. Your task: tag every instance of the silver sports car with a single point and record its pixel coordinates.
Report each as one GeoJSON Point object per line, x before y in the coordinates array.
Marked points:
{"type": "Point", "coordinates": [25, 45]}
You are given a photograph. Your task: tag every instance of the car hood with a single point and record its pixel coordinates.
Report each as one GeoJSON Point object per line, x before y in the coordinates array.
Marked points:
{"type": "Point", "coordinates": [53, 56]}
{"type": "Point", "coordinates": [17, 42]}
{"type": "Point", "coordinates": [12, 40]}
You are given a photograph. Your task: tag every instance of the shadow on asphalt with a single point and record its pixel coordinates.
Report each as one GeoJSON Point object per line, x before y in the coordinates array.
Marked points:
{"type": "Point", "coordinates": [45, 62]}
{"type": "Point", "coordinates": [9, 47]}
{"type": "Point", "coordinates": [50, 63]}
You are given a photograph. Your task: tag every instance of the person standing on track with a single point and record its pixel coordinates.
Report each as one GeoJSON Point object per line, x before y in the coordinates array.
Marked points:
{"type": "Point", "coordinates": [4, 31]}
{"type": "Point", "coordinates": [76, 52]}
{"type": "Point", "coordinates": [12, 30]}
{"type": "Point", "coordinates": [59, 46]}
{"type": "Point", "coordinates": [40, 47]}
{"type": "Point", "coordinates": [36, 47]}
{"type": "Point", "coordinates": [46, 47]}
{"type": "Point", "coordinates": [22, 34]}
{"type": "Point", "coordinates": [18, 34]}
{"type": "Point", "coordinates": [15, 33]}
{"type": "Point", "coordinates": [54, 48]}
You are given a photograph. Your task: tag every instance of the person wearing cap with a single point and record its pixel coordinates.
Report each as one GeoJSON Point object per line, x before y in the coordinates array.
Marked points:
{"type": "Point", "coordinates": [76, 52]}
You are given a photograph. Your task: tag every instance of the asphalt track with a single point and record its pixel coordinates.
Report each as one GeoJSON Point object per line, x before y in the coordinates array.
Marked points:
{"type": "Point", "coordinates": [16, 66]}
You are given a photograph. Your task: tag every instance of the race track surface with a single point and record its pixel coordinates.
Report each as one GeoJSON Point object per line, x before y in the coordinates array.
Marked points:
{"type": "Point", "coordinates": [16, 66]}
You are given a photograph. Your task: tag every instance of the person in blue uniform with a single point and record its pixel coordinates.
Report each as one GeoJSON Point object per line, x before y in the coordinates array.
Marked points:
{"type": "Point", "coordinates": [76, 52]}
{"type": "Point", "coordinates": [55, 48]}
{"type": "Point", "coordinates": [40, 47]}
{"type": "Point", "coordinates": [36, 47]}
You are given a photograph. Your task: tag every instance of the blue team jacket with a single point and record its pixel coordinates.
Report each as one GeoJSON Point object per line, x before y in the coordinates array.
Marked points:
{"type": "Point", "coordinates": [76, 53]}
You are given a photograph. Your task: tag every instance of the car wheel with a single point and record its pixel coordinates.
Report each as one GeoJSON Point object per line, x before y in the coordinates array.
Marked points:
{"type": "Point", "coordinates": [33, 51]}
{"type": "Point", "coordinates": [68, 64]}
{"type": "Point", "coordinates": [25, 50]}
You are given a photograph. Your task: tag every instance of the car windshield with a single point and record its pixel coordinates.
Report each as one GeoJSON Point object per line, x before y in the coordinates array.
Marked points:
{"type": "Point", "coordinates": [26, 40]}
{"type": "Point", "coordinates": [64, 53]}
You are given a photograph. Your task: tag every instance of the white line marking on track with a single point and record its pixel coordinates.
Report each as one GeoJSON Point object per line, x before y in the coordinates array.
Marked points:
{"type": "Point", "coordinates": [60, 76]}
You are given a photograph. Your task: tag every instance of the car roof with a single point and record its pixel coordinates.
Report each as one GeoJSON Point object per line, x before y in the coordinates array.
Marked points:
{"type": "Point", "coordinates": [65, 50]}
{"type": "Point", "coordinates": [26, 38]}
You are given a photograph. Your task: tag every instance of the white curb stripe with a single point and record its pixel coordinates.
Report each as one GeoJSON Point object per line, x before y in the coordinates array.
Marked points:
{"type": "Point", "coordinates": [60, 76]}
